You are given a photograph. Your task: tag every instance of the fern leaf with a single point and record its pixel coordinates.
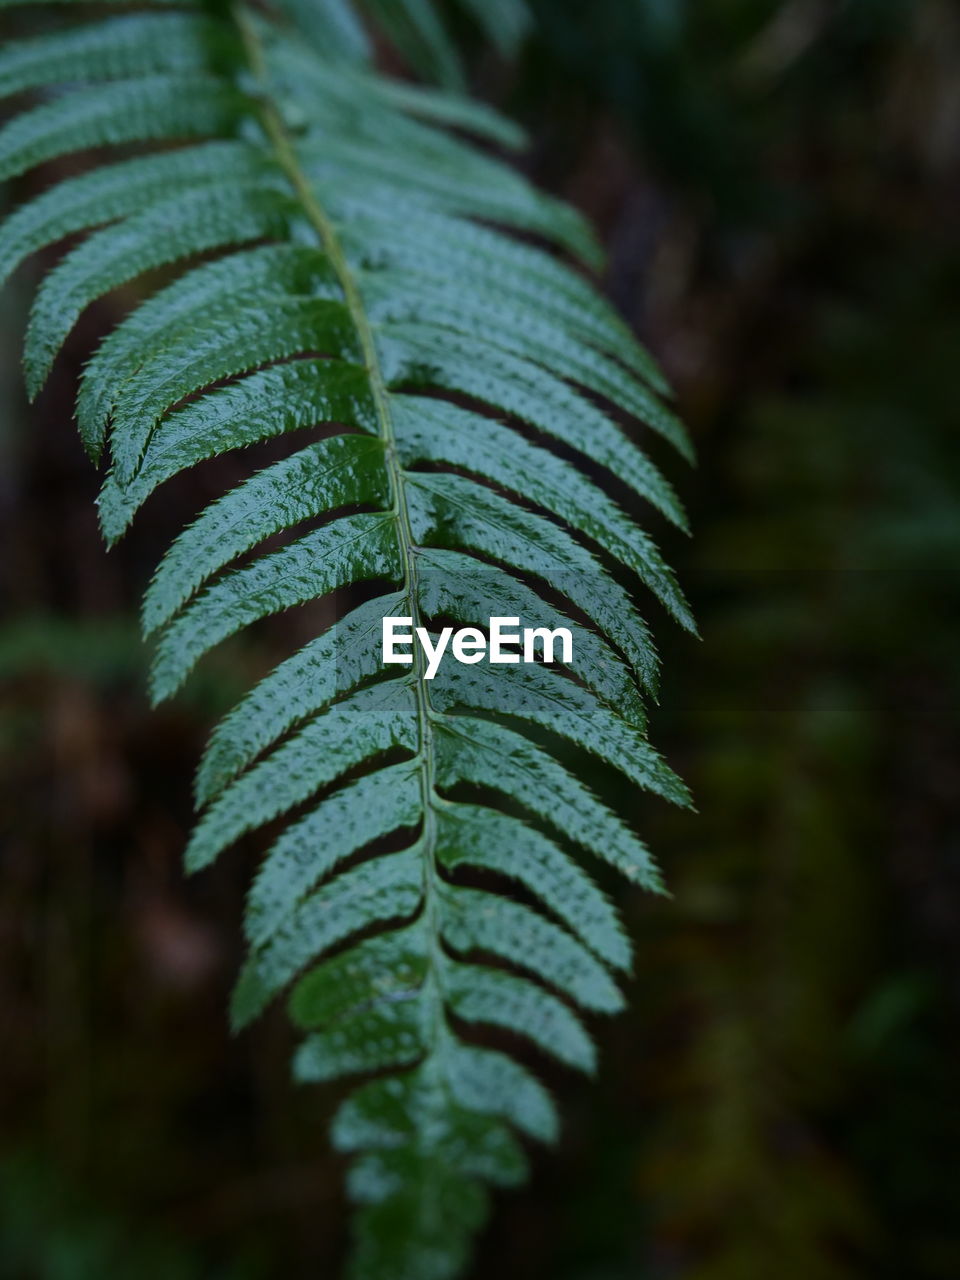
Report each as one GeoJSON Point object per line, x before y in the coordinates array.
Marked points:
{"type": "Point", "coordinates": [437, 247]}
{"type": "Point", "coordinates": [377, 891]}
{"type": "Point", "coordinates": [377, 1038]}
{"type": "Point", "coordinates": [118, 49]}
{"type": "Point", "coordinates": [435, 107]}
{"type": "Point", "coordinates": [343, 471]}
{"type": "Point", "coordinates": [219, 349]}
{"type": "Point", "coordinates": [267, 403]}
{"type": "Point", "coordinates": [485, 316]}
{"type": "Point", "coordinates": [540, 696]}
{"type": "Point", "coordinates": [369, 722]}
{"type": "Point", "coordinates": [474, 920]}
{"type": "Point", "coordinates": [240, 278]}
{"type": "Point", "coordinates": [477, 994]}
{"type": "Point", "coordinates": [386, 967]}
{"type": "Point", "coordinates": [117, 190]}
{"type": "Point", "coordinates": [476, 836]}
{"type": "Point", "coordinates": [418, 33]}
{"type": "Point", "coordinates": [334, 256]}
{"type": "Point", "coordinates": [354, 549]}
{"type": "Point", "coordinates": [361, 169]}
{"type": "Point", "coordinates": [412, 353]}
{"type": "Point", "coordinates": [473, 751]}
{"type": "Point", "coordinates": [333, 664]}
{"type": "Point", "coordinates": [451, 510]}
{"type": "Point", "coordinates": [172, 229]}
{"type": "Point", "coordinates": [152, 107]}
{"type": "Point", "coordinates": [458, 586]}
{"type": "Point", "coordinates": [372, 807]}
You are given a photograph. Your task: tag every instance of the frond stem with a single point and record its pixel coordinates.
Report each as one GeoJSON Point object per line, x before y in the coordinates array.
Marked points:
{"type": "Point", "coordinates": [327, 234]}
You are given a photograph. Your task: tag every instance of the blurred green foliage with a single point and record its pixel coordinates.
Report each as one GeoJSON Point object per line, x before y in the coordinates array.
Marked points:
{"type": "Point", "coordinates": [48, 1230]}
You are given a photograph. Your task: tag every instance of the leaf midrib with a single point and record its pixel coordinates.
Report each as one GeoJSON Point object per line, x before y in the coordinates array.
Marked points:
{"type": "Point", "coordinates": [427, 715]}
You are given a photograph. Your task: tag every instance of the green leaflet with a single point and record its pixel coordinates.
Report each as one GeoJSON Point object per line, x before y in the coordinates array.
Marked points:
{"type": "Point", "coordinates": [436, 246]}
{"type": "Point", "coordinates": [362, 105]}
{"type": "Point", "coordinates": [473, 920]}
{"type": "Point", "coordinates": [370, 722]}
{"type": "Point", "coordinates": [117, 190]}
{"type": "Point", "coordinates": [475, 836]}
{"type": "Point", "coordinates": [369, 175]}
{"type": "Point", "coordinates": [541, 696]}
{"type": "Point", "coordinates": [375, 1039]}
{"type": "Point", "coordinates": [342, 471]}
{"type": "Point", "coordinates": [428, 431]}
{"type": "Point", "coordinates": [383, 969]}
{"type": "Point", "coordinates": [118, 49]}
{"type": "Point", "coordinates": [267, 403]}
{"type": "Point", "coordinates": [335, 663]}
{"type": "Point", "coordinates": [493, 1084]}
{"type": "Point", "coordinates": [353, 549]}
{"type": "Point", "coordinates": [243, 278]}
{"type": "Point", "coordinates": [457, 512]}
{"type": "Point", "coordinates": [384, 1116]}
{"type": "Point", "coordinates": [477, 994]}
{"type": "Point", "coordinates": [486, 317]}
{"type": "Point", "coordinates": [151, 107]}
{"type": "Point", "coordinates": [455, 585]}
{"type": "Point", "coordinates": [377, 891]}
{"type": "Point", "coordinates": [218, 349]}
{"type": "Point", "coordinates": [440, 108]}
{"type": "Point", "coordinates": [477, 752]}
{"type": "Point", "coordinates": [172, 229]}
{"type": "Point", "coordinates": [415, 353]}
{"type": "Point", "coordinates": [373, 806]}
{"type": "Point", "coordinates": [318, 249]}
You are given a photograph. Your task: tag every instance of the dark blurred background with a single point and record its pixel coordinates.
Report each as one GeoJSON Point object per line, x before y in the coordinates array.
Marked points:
{"type": "Point", "coordinates": [778, 187]}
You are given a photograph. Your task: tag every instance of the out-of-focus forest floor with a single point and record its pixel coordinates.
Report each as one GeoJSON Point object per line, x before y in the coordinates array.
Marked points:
{"type": "Point", "coordinates": [779, 187]}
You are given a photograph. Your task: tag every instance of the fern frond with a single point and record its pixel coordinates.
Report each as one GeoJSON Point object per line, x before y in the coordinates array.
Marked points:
{"type": "Point", "coordinates": [332, 254]}
{"type": "Point", "coordinates": [418, 33]}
